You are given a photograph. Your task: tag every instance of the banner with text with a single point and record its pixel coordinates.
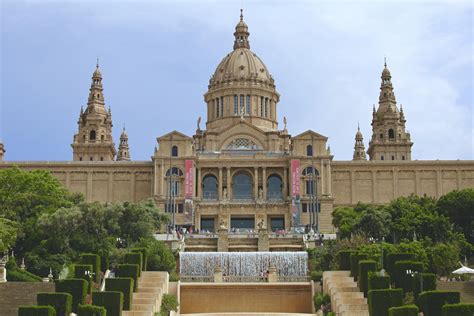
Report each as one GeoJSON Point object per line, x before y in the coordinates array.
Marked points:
{"type": "Point", "coordinates": [295, 191]}
{"type": "Point", "coordinates": [188, 192]}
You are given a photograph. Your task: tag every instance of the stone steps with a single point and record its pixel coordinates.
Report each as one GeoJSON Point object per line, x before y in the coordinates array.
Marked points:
{"type": "Point", "coordinates": [146, 301]}
{"type": "Point", "coordinates": [346, 298]}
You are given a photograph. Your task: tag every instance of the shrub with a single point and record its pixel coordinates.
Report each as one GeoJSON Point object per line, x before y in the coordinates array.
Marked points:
{"type": "Point", "coordinates": [400, 276]}
{"type": "Point", "coordinates": [431, 302]}
{"type": "Point", "coordinates": [365, 266]}
{"type": "Point", "coordinates": [378, 282]}
{"type": "Point", "coordinates": [134, 258]}
{"type": "Point", "coordinates": [381, 300]}
{"type": "Point", "coordinates": [94, 260]}
{"type": "Point", "coordinates": [62, 302]}
{"type": "Point", "coordinates": [394, 257]}
{"type": "Point", "coordinates": [355, 258]}
{"type": "Point", "coordinates": [124, 285]}
{"type": "Point", "coordinates": [168, 303]}
{"type": "Point", "coordinates": [76, 287]}
{"type": "Point", "coordinates": [344, 259]}
{"type": "Point", "coordinates": [322, 301]}
{"type": "Point", "coordinates": [112, 301]}
{"type": "Point", "coordinates": [36, 311]}
{"type": "Point", "coordinates": [144, 256]}
{"type": "Point", "coordinates": [81, 272]}
{"type": "Point", "coordinates": [429, 283]}
{"type": "Point", "coordinates": [458, 309]}
{"type": "Point", "coordinates": [91, 310]}
{"type": "Point", "coordinates": [406, 310]}
{"type": "Point", "coordinates": [159, 256]}
{"type": "Point", "coordinates": [129, 271]}
{"type": "Point", "coordinates": [18, 275]}
{"type": "Point", "coordinates": [316, 276]}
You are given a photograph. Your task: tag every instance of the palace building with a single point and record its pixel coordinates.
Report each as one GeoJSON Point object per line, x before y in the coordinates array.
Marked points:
{"type": "Point", "coordinates": [240, 169]}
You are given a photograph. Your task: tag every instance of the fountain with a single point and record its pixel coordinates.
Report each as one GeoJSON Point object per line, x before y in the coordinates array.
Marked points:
{"type": "Point", "coordinates": [243, 263]}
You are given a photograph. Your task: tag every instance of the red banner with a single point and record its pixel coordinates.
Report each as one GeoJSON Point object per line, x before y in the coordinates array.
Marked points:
{"type": "Point", "coordinates": [295, 177]}
{"type": "Point", "coordinates": [189, 179]}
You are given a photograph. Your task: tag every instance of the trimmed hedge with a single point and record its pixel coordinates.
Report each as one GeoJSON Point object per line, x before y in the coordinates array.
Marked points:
{"type": "Point", "coordinates": [458, 309]}
{"type": "Point", "coordinates": [431, 302]}
{"type": "Point", "coordinates": [94, 260]}
{"type": "Point", "coordinates": [406, 310]}
{"type": "Point", "coordinates": [378, 282]}
{"type": "Point", "coordinates": [429, 283]}
{"type": "Point", "coordinates": [36, 311]}
{"type": "Point", "coordinates": [76, 287]}
{"type": "Point", "coordinates": [381, 300]}
{"type": "Point", "coordinates": [134, 258]}
{"type": "Point", "coordinates": [18, 275]}
{"type": "Point", "coordinates": [355, 258]}
{"type": "Point", "coordinates": [344, 259]}
{"type": "Point", "coordinates": [365, 266]}
{"type": "Point", "coordinates": [104, 263]}
{"type": "Point", "coordinates": [144, 256]}
{"type": "Point", "coordinates": [80, 273]}
{"type": "Point", "coordinates": [400, 276]}
{"type": "Point", "coordinates": [61, 302]}
{"type": "Point", "coordinates": [316, 276]}
{"type": "Point", "coordinates": [394, 257]}
{"type": "Point", "coordinates": [168, 303]}
{"type": "Point", "coordinates": [124, 285]}
{"type": "Point", "coordinates": [129, 271]}
{"type": "Point", "coordinates": [112, 301]}
{"type": "Point", "coordinates": [91, 310]}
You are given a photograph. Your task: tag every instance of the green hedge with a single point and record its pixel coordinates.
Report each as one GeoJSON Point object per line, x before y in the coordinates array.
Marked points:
{"type": "Point", "coordinates": [18, 275]}
{"type": "Point", "coordinates": [80, 273]}
{"type": "Point", "coordinates": [406, 310]}
{"type": "Point", "coordinates": [124, 285]}
{"type": "Point", "coordinates": [94, 260]}
{"type": "Point", "coordinates": [394, 257]}
{"type": "Point", "coordinates": [76, 287]}
{"type": "Point", "coordinates": [144, 256]}
{"type": "Point", "coordinates": [134, 258]}
{"type": "Point", "coordinates": [168, 303]}
{"type": "Point", "coordinates": [344, 259]}
{"type": "Point", "coordinates": [458, 309]}
{"type": "Point", "coordinates": [431, 302]}
{"type": "Point", "coordinates": [378, 282]}
{"type": "Point", "coordinates": [129, 271]}
{"type": "Point", "coordinates": [112, 301]}
{"type": "Point", "coordinates": [36, 311]}
{"type": "Point", "coordinates": [381, 300]}
{"type": "Point", "coordinates": [365, 266]}
{"type": "Point", "coordinates": [62, 302]}
{"type": "Point", "coordinates": [400, 276]}
{"type": "Point", "coordinates": [429, 283]}
{"type": "Point", "coordinates": [91, 310]}
{"type": "Point", "coordinates": [104, 263]}
{"type": "Point", "coordinates": [316, 276]}
{"type": "Point", "coordinates": [355, 258]}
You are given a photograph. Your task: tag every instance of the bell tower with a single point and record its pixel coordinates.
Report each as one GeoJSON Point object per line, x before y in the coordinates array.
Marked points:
{"type": "Point", "coordinates": [94, 142]}
{"type": "Point", "coordinates": [123, 150]}
{"type": "Point", "coordinates": [359, 148]}
{"type": "Point", "coordinates": [2, 150]}
{"type": "Point", "coordinates": [390, 140]}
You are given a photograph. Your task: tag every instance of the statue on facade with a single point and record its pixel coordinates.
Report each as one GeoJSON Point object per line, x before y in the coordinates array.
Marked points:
{"type": "Point", "coordinates": [261, 224]}
{"type": "Point", "coordinates": [222, 224]}
{"type": "Point", "coordinates": [284, 123]}
{"type": "Point", "coordinates": [260, 193]}
{"type": "Point", "coordinates": [224, 194]}
{"type": "Point", "coordinates": [199, 124]}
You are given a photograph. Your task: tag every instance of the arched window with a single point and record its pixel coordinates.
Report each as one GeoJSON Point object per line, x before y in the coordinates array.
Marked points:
{"type": "Point", "coordinates": [391, 134]}
{"type": "Point", "coordinates": [310, 170]}
{"type": "Point", "coordinates": [92, 135]}
{"type": "Point", "coordinates": [311, 177]}
{"type": "Point", "coordinates": [242, 186]}
{"type": "Point", "coordinates": [174, 171]}
{"type": "Point", "coordinates": [174, 151]}
{"type": "Point", "coordinates": [309, 150]}
{"type": "Point", "coordinates": [209, 187]}
{"type": "Point", "coordinates": [274, 187]}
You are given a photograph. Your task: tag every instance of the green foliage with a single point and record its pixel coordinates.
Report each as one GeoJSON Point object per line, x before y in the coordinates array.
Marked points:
{"type": "Point", "coordinates": [82, 271]}
{"type": "Point", "coordinates": [112, 301]}
{"type": "Point", "coordinates": [378, 282]}
{"type": "Point", "coordinates": [316, 276]}
{"type": "Point", "coordinates": [94, 260]}
{"type": "Point", "coordinates": [431, 302]}
{"type": "Point", "coordinates": [36, 311]}
{"type": "Point", "coordinates": [62, 302]}
{"type": "Point", "coordinates": [458, 310]}
{"type": "Point", "coordinates": [394, 257]}
{"type": "Point", "coordinates": [17, 275]}
{"type": "Point", "coordinates": [8, 233]}
{"type": "Point", "coordinates": [355, 258]}
{"type": "Point", "coordinates": [168, 303]}
{"type": "Point", "coordinates": [91, 310]}
{"type": "Point", "coordinates": [344, 259]}
{"type": "Point", "coordinates": [76, 287]}
{"type": "Point", "coordinates": [429, 283]}
{"type": "Point", "coordinates": [124, 285]}
{"type": "Point", "coordinates": [129, 271]}
{"type": "Point", "coordinates": [134, 258]}
{"type": "Point", "coordinates": [444, 258]}
{"type": "Point", "coordinates": [458, 206]}
{"type": "Point", "coordinates": [406, 310]}
{"type": "Point", "coordinates": [321, 301]}
{"type": "Point", "coordinates": [345, 218]}
{"type": "Point", "coordinates": [143, 251]}
{"type": "Point", "coordinates": [381, 300]}
{"type": "Point", "coordinates": [400, 276]}
{"type": "Point", "coordinates": [365, 266]}
{"type": "Point", "coordinates": [374, 222]}
{"type": "Point", "coordinates": [418, 249]}
{"type": "Point", "coordinates": [159, 256]}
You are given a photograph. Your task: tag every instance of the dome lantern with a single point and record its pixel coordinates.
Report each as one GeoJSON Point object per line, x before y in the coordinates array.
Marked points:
{"type": "Point", "coordinates": [241, 33]}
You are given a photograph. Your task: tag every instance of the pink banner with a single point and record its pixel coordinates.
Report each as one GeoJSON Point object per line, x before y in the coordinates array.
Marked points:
{"type": "Point", "coordinates": [295, 177]}
{"type": "Point", "coordinates": [189, 179]}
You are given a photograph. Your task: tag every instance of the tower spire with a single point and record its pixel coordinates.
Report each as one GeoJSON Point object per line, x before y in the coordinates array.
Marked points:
{"type": "Point", "coordinates": [359, 148]}
{"type": "Point", "coordinates": [241, 33]}
{"type": "Point", "coordinates": [123, 150]}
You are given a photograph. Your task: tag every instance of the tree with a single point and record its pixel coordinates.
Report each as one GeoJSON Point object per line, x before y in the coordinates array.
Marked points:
{"type": "Point", "coordinates": [344, 218]}
{"type": "Point", "coordinates": [374, 222]}
{"type": "Point", "coordinates": [444, 258]}
{"type": "Point", "coordinates": [459, 207]}
{"type": "Point", "coordinates": [8, 233]}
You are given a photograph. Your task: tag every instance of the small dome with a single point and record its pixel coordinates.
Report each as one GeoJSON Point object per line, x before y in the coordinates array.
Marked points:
{"type": "Point", "coordinates": [124, 134]}
{"type": "Point", "coordinates": [97, 72]}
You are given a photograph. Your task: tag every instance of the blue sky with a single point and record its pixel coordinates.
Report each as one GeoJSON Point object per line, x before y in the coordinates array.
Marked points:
{"type": "Point", "coordinates": [157, 57]}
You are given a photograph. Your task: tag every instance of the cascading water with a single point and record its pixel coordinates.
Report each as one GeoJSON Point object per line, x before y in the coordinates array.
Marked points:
{"type": "Point", "coordinates": [243, 263]}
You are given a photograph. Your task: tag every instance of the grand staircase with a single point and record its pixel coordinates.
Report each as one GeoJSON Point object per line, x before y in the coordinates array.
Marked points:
{"type": "Point", "coordinates": [147, 299]}
{"type": "Point", "coordinates": [346, 299]}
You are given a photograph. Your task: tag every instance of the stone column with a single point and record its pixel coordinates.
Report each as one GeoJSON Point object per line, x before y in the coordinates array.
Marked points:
{"type": "Point", "coordinates": [3, 273]}
{"type": "Point", "coordinates": [199, 184]}
{"type": "Point", "coordinates": [110, 189]}
{"type": "Point", "coordinates": [132, 186]}
{"type": "Point", "coordinates": [374, 183]}
{"type": "Point", "coordinates": [264, 182]}
{"type": "Point", "coordinates": [263, 240]}
{"type": "Point", "coordinates": [352, 187]}
{"type": "Point", "coordinates": [255, 183]}
{"type": "Point", "coordinates": [272, 275]}
{"type": "Point", "coordinates": [89, 187]}
{"type": "Point", "coordinates": [222, 240]}
{"type": "Point", "coordinates": [285, 183]}
{"type": "Point", "coordinates": [229, 191]}
{"type": "Point", "coordinates": [219, 192]}
{"type": "Point", "coordinates": [218, 275]}
{"type": "Point", "coordinates": [329, 179]}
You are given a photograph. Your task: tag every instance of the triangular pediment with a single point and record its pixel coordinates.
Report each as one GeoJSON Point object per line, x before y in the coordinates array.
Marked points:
{"type": "Point", "coordinates": [309, 134]}
{"type": "Point", "coordinates": [176, 136]}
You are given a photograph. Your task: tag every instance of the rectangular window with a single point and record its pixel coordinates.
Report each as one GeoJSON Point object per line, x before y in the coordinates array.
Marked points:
{"type": "Point", "coordinates": [261, 106]}
{"type": "Point", "coordinates": [248, 105]}
{"type": "Point", "coordinates": [217, 107]}
{"type": "Point", "coordinates": [222, 106]}
{"type": "Point", "coordinates": [236, 105]}
{"type": "Point", "coordinates": [266, 107]}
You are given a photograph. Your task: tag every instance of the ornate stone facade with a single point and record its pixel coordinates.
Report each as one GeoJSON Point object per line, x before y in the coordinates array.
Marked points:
{"type": "Point", "coordinates": [242, 162]}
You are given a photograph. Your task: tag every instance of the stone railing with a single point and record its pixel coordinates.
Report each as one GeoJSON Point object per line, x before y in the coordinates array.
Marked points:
{"type": "Point", "coordinates": [294, 278]}
{"type": "Point", "coordinates": [199, 279]}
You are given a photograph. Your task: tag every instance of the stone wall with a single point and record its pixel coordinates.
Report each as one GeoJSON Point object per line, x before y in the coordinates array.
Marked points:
{"type": "Point", "coordinates": [15, 294]}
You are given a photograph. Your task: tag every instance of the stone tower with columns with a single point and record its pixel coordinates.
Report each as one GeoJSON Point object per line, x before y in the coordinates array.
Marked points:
{"type": "Point", "coordinates": [2, 150]}
{"type": "Point", "coordinates": [390, 140]}
{"type": "Point", "coordinates": [94, 142]}
{"type": "Point", "coordinates": [359, 148]}
{"type": "Point", "coordinates": [123, 149]}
